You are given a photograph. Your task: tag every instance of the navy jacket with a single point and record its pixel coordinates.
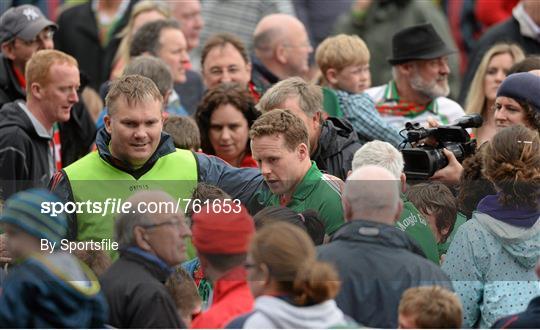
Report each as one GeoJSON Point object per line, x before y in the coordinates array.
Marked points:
{"type": "Point", "coordinates": [376, 264]}
{"type": "Point", "coordinates": [529, 319]}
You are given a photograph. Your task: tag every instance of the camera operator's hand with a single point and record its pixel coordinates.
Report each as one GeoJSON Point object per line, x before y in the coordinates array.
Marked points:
{"type": "Point", "coordinates": [451, 173]}
{"type": "Point", "coordinates": [432, 122]}
{"type": "Point", "coordinates": [430, 140]}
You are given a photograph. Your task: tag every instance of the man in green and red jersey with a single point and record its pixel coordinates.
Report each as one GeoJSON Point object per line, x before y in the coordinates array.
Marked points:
{"type": "Point", "coordinates": [280, 145]}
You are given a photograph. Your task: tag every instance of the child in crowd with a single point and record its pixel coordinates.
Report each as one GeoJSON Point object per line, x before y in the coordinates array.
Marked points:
{"type": "Point", "coordinates": [344, 64]}
{"type": "Point", "coordinates": [184, 132]}
{"type": "Point", "coordinates": [202, 193]}
{"type": "Point", "coordinates": [308, 220]}
{"type": "Point", "coordinates": [184, 293]}
{"type": "Point", "coordinates": [429, 307]}
{"type": "Point", "coordinates": [48, 288]}
{"type": "Point", "coordinates": [441, 212]}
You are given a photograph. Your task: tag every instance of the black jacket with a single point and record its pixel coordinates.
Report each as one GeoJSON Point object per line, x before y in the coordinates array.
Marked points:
{"type": "Point", "coordinates": [76, 135]}
{"type": "Point", "coordinates": [506, 31]}
{"type": "Point", "coordinates": [191, 92]}
{"type": "Point", "coordinates": [136, 294]}
{"type": "Point", "coordinates": [10, 90]}
{"type": "Point", "coordinates": [337, 144]}
{"type": "Point", "coordinates": [24, 154]}
{"type": "Point", "coordinates": [529, 319]}
{"type": "Point", "coordinates": [78, 36]}
{"type": "Point", "coordinates": [376, 263]}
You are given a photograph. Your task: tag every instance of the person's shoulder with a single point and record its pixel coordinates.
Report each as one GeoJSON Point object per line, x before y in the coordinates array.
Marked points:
{"type": "Point", "coordinates": [68, 11]}
{"type": "Point", "coordinates": [376, 93]}
{"type": "Point", "coordinates": [502, 31]}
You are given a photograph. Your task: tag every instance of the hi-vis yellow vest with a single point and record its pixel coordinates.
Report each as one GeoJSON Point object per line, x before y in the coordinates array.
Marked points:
{"type": "Point", "coordinates": [95, 180]}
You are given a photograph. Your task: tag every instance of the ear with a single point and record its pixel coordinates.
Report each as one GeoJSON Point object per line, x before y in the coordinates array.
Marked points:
{"type": "Point", "coordinates": [7, 50]}
{"type": "Point", "coordinates": [406, 69]}
{"type": "Point", "coordinates": [403, 179]}
{"type": "Point", "coordinates": [107, 122]}
{"type": "Point", "coordinates": [303, 151]}
{"type": "Point", "coordinates": [445, 231]}
{"type": "Point", "coordinates": [317, 120]}
{"type": "Point", "coordinates": [349, 173]}
{"type": "Point", "coordinates": [280, 53]}
{"type": "Point", "coordinates": [265, 274]}
{"type": "Point", "coordinates": [139, 236]}
{"type": "Point", "coordinates": [36, 90]}
{"type": "Point", "coordinates": [331, 76]}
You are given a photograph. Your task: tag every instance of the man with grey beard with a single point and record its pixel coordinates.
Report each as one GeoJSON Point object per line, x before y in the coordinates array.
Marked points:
{"type": "Point", "coordinates": [419, 86]}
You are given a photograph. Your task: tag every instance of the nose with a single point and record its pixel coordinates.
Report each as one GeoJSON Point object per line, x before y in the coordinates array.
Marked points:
{"type": "Point", "coordinates": [140, 133]}
{"type": "Point", "coordinates": [185, 57]}
{"type": "Point", "coordinates": [225, 77]}
{"type": "Point", "coordinates": [499, 115]}
{"type": "Point", "coordinates": [225, 134]}
{"type": "Point", "coordinates": [199, 23]}
{"type": "Point", "coordinates": [265, 169]}
{"type": "Point", "coordinates": [73, 96]}
{"type": "Point", "coordinates": [445, 69]}
{"type": "Point", "coordinates": [500, 76]}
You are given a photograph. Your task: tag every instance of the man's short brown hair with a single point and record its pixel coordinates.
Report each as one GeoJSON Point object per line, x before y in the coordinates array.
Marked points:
{"type": "Point", "coordinates": [431, 307]}
{"type": "Point", "coordinates": [134, 89]}
{"type": "Point", "coordinates": [310, 97]}
{"type": "Point", "coordinates": [221, 40]}
{"type": "Point", "coordinates": [39, 66]}
{"type": "Point", "coordinates": [281, 122]}
{"type": "Point", "coordinates": [444, 207]}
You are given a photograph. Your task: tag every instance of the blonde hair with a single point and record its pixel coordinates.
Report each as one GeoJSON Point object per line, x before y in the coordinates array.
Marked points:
{"type": "Point", "coordinates": [341, 51]}
{"type": "Point", "coordinates": [122, 54]}
{"type": "Point", "coordinates": [432, 307]}
{"type": "Point", "coordinates": [39, 66]}
{"type": "Point", "coordinates": [476, 99]}
{"type": "Point", "coordinates": [290, 256]}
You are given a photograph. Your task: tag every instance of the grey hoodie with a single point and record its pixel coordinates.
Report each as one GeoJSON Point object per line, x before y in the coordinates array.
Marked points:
{"type": "Point", "coordinates": [275, 313]}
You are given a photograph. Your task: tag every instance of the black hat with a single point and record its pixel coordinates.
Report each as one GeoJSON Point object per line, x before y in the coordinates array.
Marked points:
{"type": "Point", "coordinates": [418, 42]}
{"type": "Point", "coordinates": [24, 22]}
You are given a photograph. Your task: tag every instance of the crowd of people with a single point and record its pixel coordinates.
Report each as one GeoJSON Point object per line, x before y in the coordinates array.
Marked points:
{"type": "Point", "coordinates": [262, 164]}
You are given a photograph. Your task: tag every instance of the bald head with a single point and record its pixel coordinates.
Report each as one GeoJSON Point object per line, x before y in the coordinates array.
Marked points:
{"type": "Point", "coordinates": [372, 193]}
{"type": "Point", "coordinates": [281, 42]}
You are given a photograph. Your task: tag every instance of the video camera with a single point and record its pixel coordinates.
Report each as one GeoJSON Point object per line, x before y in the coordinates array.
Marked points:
{"type": "Point", "coordinates": [422, 160]}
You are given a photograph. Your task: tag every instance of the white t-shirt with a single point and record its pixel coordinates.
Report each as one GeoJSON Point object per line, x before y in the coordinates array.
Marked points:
{"type": "Point", "coordinates": [448, 111]}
